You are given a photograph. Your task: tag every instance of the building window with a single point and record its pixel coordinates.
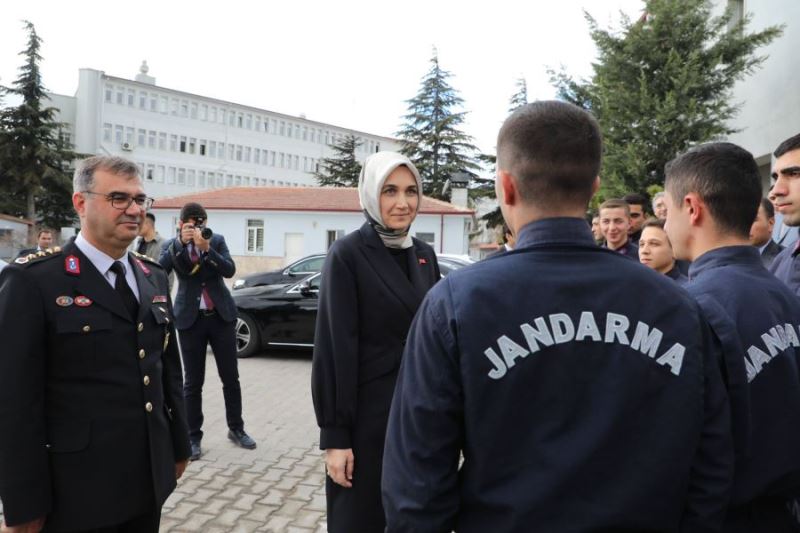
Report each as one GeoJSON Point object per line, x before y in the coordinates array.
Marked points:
{"type": "Point", "coordinates": [297, 131]}
{"type": "Point", "coordinates": [120, 95]}
{"type": "Point", "coordinates": [221, 151]}
{"type": "Point", "coordinates": [151, 139]}
{"type": "Point", "coordinates": [228, 180]}
{"type": "Point", "coordinates": [258, 123]}
{"type": "Point", "coordinates": [141, 138]}
{"type": "Point", "coordinates": [297, 162]}
{"type": "Point", "coordinates": [248, 122]}
{"type": "Point", "coordinates": [182, 146]}
{"type": "Point", "coordinates": [153, 102]}
{"type": "Point", "coordinates": [246, 181]}
{"type": "Point", "coordinates": [282, 160]}
{"type": "Point", "coordinates": [181, 176]}
{"type": "Point", "coordinates": [164, 105]}
{"type": "Point", "coordinates": [131, 97]}
{"type": "Point", "coordinates": [283, 128]}
{"type": "Point", "coordinates": [255, 236]}
{"type": "Point", "coordinates": [212, 149]}
{"type": "Point", "coordinates": [238, 181]}
{"type": "Point", "coordinates": [190, 178]}
{"type": "Point", "coordinates": [202, 147]}
{"type": "Point", "coordinates": [142, 100]}
{"type": "Point", "coordinates": [201, 178]}
{"type": "Point", "coordinates": [109, 93]}
{"type": "Point", "coordinates": [247, 151]}
{"type": "Point", "coordinates": [192, 144]}
{"type": "Point", "coordinates": [129, 133]}
{"type": "Point", "coordinates": [430, 238]}
{"type": "Point", "coordinates": [231, 148]}
{"type": "Point", "coordinates": [194, 110]}
{"type": "Point", "coordinates": [160, 173]}
{"type": "Point", "coordinates": [107, 132]}
{"type": "Point", "coordinates": [256, 156]}
{"type": "Point", "coordinates": [162, 140]}
{"type": "Point", "coordinates": [289, 130]}
{"type": "Point", "coordinates": [173, 143]}
{"type": "Point", "coordinates": [334, 234]}
{"type": "Point", "coordinates": [184, 108]}
{"type": "Point", "coordinates": [171, 175]}
{"type": "Point", "coordinates": [213, 115]}
{"type": "Point", "coordinates": [272, 158]}
{"type": "Point", "coordinates": [151, 169]}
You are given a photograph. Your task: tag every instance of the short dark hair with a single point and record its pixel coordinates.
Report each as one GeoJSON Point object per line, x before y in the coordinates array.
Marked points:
{"type": "Point", "coordinates": [654, 223]}
{"type": "Point", "coordinates": [769, 209]}
{"type": "Point", "coordinates": [634, 198]}
{"type": "Point", "coordinates": [553, 149]}
{"type": "Point", "coordinates": [192, 210]}
{"type": "Point", "coordinates": [44, 230]}
{"type": "Point", "coordinates": [615, 203]}
{"type": "Point", "coordinates": [151, 216]}
{"type": "Point", "coordinates": [792, 143]}
{"type": "Point", "coordinates": [726, 178]}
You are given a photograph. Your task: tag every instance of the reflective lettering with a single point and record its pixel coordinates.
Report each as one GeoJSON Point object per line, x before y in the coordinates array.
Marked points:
{"type": "Point", "coordinates": [791, 336]}
{"type": "Point", "coordinates": [773, 342]}
{"type": "Point", "coordinates": [673, 358]}
{"type": "Point", "coordinates": [540, 333]}
{"type": "Point", "coordinates": [511, 350]}
{"type": "Point", "coordinates": [499, 369]}
{"type": "Point", "coordinates": [758, 357]}
{"type": "Point", "coordinates": [587, 327]}
{"type": "Point", "coordinates": [617, 326]}
{"type": "Point", "coordinates": [563, 328]}
{"type": "Point", "coordinates": [646, 341]}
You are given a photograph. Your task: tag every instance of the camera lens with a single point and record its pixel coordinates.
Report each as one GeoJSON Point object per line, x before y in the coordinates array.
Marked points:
{"type": "Point", "coordinates": [206, 233]}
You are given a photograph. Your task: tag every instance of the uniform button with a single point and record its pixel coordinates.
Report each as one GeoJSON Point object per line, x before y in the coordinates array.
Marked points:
{"type": "Point", "coordinates": [87, 329]}
{"type": "Point", "coordinates": [141, 353]}
{"type": "Point", "coordinates": [146, 380]}
{"type": "Point", "coordinates": [140, 327]}
{"type": "Point", "coordinates": [148, 407]}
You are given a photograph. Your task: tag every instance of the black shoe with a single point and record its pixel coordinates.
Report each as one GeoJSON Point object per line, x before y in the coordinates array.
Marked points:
{"type": "Point", "coordinates": [241, 438]}
{"type": "Point", "coordinates": [196, 451]}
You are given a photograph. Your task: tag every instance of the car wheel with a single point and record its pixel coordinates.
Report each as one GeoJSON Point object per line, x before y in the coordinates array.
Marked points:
{"type": "Point", "coordinates": [247, 337]}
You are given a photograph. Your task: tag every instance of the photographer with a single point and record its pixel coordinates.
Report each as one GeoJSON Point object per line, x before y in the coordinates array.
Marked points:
{"type": "Point", "coordinates": [205, 313]}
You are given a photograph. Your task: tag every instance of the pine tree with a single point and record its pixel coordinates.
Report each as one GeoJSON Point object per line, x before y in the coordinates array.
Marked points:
{"type": "Point", "coordinates": [662, 84]}
{"type": "Point", "coordinates": [34, 157]}
{"type": "Point", "coordinates": [342, 169]}
{"type": "Point", "coordinates": [519, 98]}
{"type": "Point", "coordinates": [431, 136]}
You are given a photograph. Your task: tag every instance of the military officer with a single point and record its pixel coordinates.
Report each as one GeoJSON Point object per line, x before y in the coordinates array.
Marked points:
{"type": "Point", "coordinates": [94, 430]}
{"type": "Point", "coordinates": [576, 407]}
{"type": "Point", "coordinates": [713, 195]}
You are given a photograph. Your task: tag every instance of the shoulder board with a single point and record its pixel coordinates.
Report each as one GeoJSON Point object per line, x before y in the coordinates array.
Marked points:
{"type": "Point", "coordinates": [146, 258]}
{"type": "Point", "coordinates": [38, 256]}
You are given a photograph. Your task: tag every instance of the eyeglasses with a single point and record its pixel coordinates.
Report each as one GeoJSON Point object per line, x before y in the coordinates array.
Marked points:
{"type": "Point", "coordinates": [122, 201]}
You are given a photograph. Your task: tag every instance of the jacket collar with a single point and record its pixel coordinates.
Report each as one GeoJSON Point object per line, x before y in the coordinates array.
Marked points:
{"type": "Point", "coordinates": [409, 290]}
{"type": "Point", "coordinates": [744, 255]}
{"type": "Point", "coordinates": [557, 230]}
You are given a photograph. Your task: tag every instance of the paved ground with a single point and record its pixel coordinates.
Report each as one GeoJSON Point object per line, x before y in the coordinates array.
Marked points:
{"type": "Point", "coordinates": [277, 487]}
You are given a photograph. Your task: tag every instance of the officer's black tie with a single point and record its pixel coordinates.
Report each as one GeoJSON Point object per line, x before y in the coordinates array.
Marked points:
{"type": "Point", "coordinates": [124, 290]}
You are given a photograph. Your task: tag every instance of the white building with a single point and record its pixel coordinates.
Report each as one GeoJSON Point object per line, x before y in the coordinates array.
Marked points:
{"type": "Point", "coordinates": [185, 143]}
{"type": "Point", "coordinates": [267, 228]}
{"type": "Point", "coordinates": [13, 235]}
{"type": "Point", "coordinates": [769, 98]}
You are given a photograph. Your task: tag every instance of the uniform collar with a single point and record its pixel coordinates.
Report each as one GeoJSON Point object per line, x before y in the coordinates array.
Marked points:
{"type": "Point", "coordinates": [555, 230]}
{"type": "Point", "coordinates": [745, 255]}
{"type": "Point", "coordinates": [101, 260]}
{"type": "Point", "coordinates": [675, 272]}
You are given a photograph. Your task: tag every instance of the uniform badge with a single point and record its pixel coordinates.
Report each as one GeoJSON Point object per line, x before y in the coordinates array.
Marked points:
{"type": "Point", "coordinates": [22, 260]}
{"type": "Point", "coordinates": [143, 267]}
{"type": "Point", "coordinates": [72, 265]}
{"type": "Point", "coordinates": [423, 261]}
{"type": "Point", "coordinates": [159, 299]}
{"type": "Point", "coordinates": [64, 301]}
{"type": "Point", "coordinates": [83, 301]}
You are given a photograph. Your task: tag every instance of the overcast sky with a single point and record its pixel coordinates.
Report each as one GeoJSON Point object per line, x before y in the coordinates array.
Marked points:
{"type": "Point", "coordinates": [350, 63]}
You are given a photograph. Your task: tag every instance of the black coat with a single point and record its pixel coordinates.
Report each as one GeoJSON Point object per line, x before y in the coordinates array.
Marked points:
{"type": "Point", "coordinates": [91, 405]}
{"type": "Point", "coordinates": [213, 267]}
{"type": "Point", "coordinates": [365, 310]}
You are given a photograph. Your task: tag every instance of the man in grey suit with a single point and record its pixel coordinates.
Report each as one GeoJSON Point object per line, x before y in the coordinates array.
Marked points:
{"type": "Point", "coordinates": [761, 233]}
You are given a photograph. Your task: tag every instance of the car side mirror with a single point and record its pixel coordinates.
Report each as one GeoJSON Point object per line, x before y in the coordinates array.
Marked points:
{"type": "Point", "coordinates": [306, 290]}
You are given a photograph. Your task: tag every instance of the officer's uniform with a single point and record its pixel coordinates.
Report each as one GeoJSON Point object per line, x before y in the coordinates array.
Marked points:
{"type": "Point", "coordinates": [786, 267]}
{"type": "Point", "coordinates": [756, 321]}
{"type": "Point", "coordinates": [91, 409]}
{"type": "Point", "coordinates": [577, 405]}
{"type": "Point", "coordinates": [629, 250]}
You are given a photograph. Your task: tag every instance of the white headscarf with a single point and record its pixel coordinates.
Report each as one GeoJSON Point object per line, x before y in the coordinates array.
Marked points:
{"type": "Point", "coordinates": [376, 169]}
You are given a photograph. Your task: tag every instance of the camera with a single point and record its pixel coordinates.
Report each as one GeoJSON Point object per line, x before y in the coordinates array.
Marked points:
{"type": "Point", "coordinates": [205, 232]}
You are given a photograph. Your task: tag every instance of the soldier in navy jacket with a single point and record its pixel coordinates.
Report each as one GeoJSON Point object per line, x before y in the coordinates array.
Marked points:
{"type": "Point", "coordinates": [786, 195]}
{"type": "Point", "coordinates": [713, 194]}
{"type": "Point", "coordinates": [91, 411]}
{"type": "Point", "coordinates": [576, 407]}
{"type": "Point", "coordinates": [615, 223]}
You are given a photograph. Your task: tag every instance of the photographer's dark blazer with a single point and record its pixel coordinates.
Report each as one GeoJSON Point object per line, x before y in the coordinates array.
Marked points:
{"type": "Point", "coordinates": [365, 311]}
{"type": "Point", "coordinates": [91, 406]}
{"type": "Point", "coordinates": [213, 266]}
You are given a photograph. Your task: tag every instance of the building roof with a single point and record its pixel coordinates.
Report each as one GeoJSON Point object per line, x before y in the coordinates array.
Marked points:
{"type": "Point", "coordinates": [341, 199]}
{"type": "Point", "coordinates": [15, 219]}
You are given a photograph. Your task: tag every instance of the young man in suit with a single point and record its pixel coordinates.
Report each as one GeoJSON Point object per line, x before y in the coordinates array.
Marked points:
{"type": "Point", "coordinates": [44, 240]}
{"type": "Point", "coordinates": [205, 314]}
{"type": "Point", "coordinates": [94, 430]}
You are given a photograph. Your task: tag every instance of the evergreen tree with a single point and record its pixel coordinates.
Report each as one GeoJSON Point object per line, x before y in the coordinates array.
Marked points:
{"type": "Point", "coordinates": [519, 98]}
{"type": "Point", "coordinates": [662, 84]}
{"type": "Point", "coordinates": [431, 136]}
{"type": "Point", "coordinates": [342, 169]}
{"type": "Point", "coordinates": [33, 155]}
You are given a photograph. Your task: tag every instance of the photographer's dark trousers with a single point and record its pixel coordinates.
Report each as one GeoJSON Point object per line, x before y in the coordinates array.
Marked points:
{"type": "Point", "coordinates": [209, 328]}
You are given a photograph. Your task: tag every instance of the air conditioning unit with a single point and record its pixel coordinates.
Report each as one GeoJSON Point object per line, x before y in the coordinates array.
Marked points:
{"type": "Point", "coordinates": [128, 147]}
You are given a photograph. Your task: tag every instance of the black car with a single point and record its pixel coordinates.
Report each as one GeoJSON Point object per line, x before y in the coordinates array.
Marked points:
{"type": "Point", "coordinates": [291, 274]}
{"type": "Point", "coordinates": [283, 316]}
{"type": "Point", "coordinates": [276, 316]}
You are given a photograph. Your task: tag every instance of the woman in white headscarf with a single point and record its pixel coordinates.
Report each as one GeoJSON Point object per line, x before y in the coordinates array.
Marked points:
{"type": "Point", "coordinates": [373, 281]}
